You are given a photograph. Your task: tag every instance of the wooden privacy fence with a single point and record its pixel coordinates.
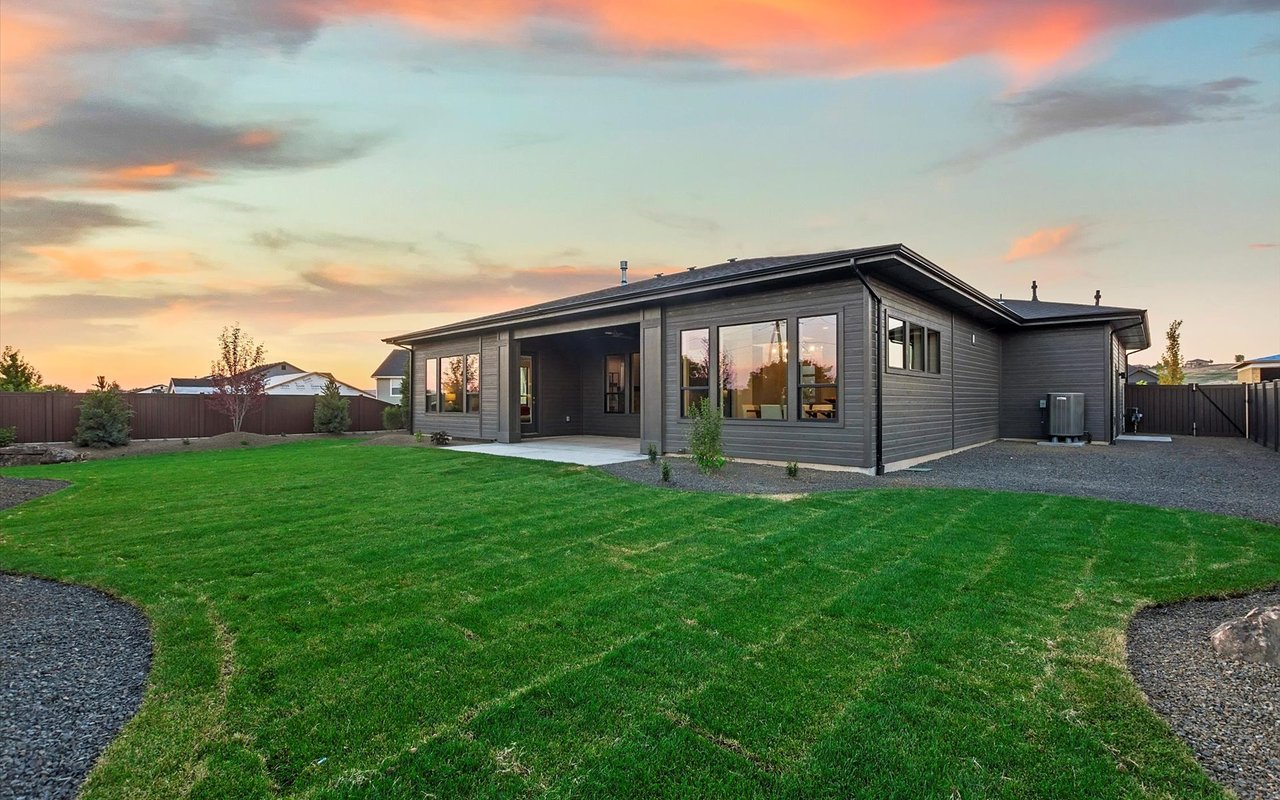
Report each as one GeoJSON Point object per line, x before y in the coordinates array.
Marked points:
{"type": "Point", "coordinates": [53, 416]}
{"type": "Point", "coordinates": [1263, 400]}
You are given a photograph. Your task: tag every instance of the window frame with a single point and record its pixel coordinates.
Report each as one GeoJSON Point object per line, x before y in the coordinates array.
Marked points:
{"type": "Point", "coordinates": [620, 393]}
{"type": "Point", "coordinates": [801, 385]}
{"type": "Point", "coordinates": [466, 384]}
{"type": "Point", "coordinates": [689, 389]}
{"type": "Point", "coordinates": [928, 337]}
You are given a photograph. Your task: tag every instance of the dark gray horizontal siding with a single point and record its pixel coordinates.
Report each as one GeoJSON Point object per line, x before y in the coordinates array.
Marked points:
{"type": "Point", "coordinates": [1036, 362]}
{"type": "Point", "coordinates": [841, 442]}
{"type": "Point", "coordinates": [468, 426]}
{"type": "Point", "coordinates": [917, 406]}
{"type": "Point", "coordinates": [489, 388]}
{"type": "Point", "coordinates": [975, 352]}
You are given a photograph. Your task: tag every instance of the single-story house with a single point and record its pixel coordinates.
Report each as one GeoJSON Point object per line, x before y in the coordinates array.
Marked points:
{"type": "Point", "coordinates": [872, 358]}
{"type": "Point", "coordinates": [389, 375]}
{"type": "Point", "coordinates": [279, 378]}
{"type": "Point", "coordinates": [1137, 373]}
{"type": "Point", "coordinates": [1256, 370]}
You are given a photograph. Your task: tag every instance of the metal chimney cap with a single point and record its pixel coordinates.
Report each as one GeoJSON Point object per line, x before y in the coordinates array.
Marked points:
{"type": "Point", "coordinates": [1034, 287]}
{"type": "Point", "coordinates": [1097, 297]}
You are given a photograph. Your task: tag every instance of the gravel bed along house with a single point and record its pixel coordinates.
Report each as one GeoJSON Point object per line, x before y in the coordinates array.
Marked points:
{"type": "Point", "coordinates": [1222, 475]}
{"type": "Point", "coordinates": [73, 666]}
{"type": "Point", "coordinates": [19, 490]}
{"type": "Point", "coordinates": [1227, 711]}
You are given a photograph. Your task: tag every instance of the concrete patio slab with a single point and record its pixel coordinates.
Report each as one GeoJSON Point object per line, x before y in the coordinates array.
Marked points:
{"type": "Point", "coordinates": [590, 451]}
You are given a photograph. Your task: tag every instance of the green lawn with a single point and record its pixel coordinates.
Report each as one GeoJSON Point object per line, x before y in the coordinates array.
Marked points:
{"type": "Point", "coordinates": [333, 620]}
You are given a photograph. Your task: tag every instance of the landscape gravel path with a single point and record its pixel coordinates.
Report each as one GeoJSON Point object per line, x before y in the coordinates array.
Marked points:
{"type": "Point", "coordinates": [1221, 475]}
{"type": "Point", "coordinates": [73, 666]}
{"type": "Point", "coordinates": [1227, 711]}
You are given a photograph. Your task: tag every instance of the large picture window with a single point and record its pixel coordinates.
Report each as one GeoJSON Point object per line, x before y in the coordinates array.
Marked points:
{"type": "Point", "coordinates": [818, 368]}
{"type": "Point", "coordinates": [473, 383]}
{"type": "Point", "coordinates": [912, 346]}
{"type": "Point", "coordinates": [695, 368]}
{"type": "Point", "coordinates": [431, 393]}
{"type": "Point", "coordinates": [451, 384]}
{"type": "Point", "coordinates": [753, 370]}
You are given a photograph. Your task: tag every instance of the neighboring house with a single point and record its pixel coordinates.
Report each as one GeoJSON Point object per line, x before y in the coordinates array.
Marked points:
{"type": "Point", "coordinates": [873, 358]}
{"type": "Point", "coordinates": [279, 377]}
{"type": "Point", "coordinates": [157, 388]}
{"type": "Point", "coordinates": [1256, 370]}
{"type": "Point", "coordinates": [1197, 362]}
{"type": "Point", "coordinates": [309, 383]}
{"type": "Point", "coordinates": [1210, 373]}
{"type": "Point", "coordinates": [389, 375]}
{"type": "Point", "coordinates": [1137, 373]}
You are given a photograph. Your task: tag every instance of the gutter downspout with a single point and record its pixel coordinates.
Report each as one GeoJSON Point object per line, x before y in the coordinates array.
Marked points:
{"type": "Point", "coordinates": [408, 422]}
{"type": "Point", "coordinates": [877, 307]}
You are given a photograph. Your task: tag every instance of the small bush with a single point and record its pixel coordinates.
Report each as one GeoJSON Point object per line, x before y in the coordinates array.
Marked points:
{"type": "Point", "coordinates": [244, 442]}
{"type": "Point", "coordinates": [8, 435]}
{"type": "Point", "coordinates": [704, 436]}
{"type": "Point", "coordinates": [186, 442]}
{"type": "Point", "coordinates": [666, 471]}
{"type": "Point", "coordinates": [653, 454]}
{"type": "Point", "coordinates": [104, 417]}
{"type": "Point", "coordinates": [417, 436]}
{"type": "Point", "coordinates": [441, 438]}
{"type": "Point", "coordinates": [793, 469]}
{"type": "Point", "coordinates": [392, 418]}
{"type": "Point", "coordinates": [333, 411]}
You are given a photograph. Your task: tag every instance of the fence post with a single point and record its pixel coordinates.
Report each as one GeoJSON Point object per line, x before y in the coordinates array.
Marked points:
{"type": "Point", "coordinates": [48, 416]}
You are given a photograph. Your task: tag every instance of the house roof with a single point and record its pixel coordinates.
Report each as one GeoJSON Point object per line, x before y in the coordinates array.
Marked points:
{"type": "Point", "coordinates": [192, 383]}
{"type": "Point", "coordinates": [1249, 362]}
{"type": "Point", "coordinates": [894, 262]}
{"type": "Point", "coordinates": [393, 365]}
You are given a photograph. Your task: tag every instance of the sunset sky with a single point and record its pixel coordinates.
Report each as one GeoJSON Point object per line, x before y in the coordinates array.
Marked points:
{"type": "Point", "coordinates": [331, 172]}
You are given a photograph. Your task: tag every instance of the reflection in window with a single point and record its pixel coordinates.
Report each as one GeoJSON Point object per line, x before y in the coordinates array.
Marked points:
{"type": "Point", "coordinates": [451, 383]}
{"type": "Point", "coordinates": [432, 387]}
{"type": "Point", "coordinates": [818, 393]}
{"type": "Point", "coordinates": [895, 343]}
{"type": "Point", "coordinates": [915, 346]}
{"type": "Point", "coordinates": [753, 370]}
{"type": "Point", "coordinates": [695, 368]}
{"type": "Point", "coordinates": [934, 351]}
{"type": "Point", "coordinates": [614, 399]}
{"type": "Point", "coordinates": [473, 383]}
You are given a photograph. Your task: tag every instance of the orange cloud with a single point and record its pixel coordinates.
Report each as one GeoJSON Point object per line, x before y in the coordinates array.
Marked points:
{"type": "Point", "coordinates": [55, 264]}
{"type": "Point", "coordinates": [1263, 245]}
{"type": "Point", "coordinates": [148, 176]}
{"type": "Point", "coordinates": [1042, 242]}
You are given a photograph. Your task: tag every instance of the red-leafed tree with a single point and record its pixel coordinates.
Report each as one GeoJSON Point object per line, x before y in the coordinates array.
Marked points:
{"type": "Point", "coordinates": [239, 386]}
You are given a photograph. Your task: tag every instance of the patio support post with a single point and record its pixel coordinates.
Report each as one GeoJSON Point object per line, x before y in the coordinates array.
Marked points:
{"type": "Point", "coordinates": [651, 382]}
{"type": "Point", "coordinates": [508, 388]}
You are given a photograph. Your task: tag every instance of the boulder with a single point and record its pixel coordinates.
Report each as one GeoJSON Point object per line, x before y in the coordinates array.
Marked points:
{"type": "Point", "coordinates": [1254, 637]}
{"type": "Point", "coordinates": [25, 455]}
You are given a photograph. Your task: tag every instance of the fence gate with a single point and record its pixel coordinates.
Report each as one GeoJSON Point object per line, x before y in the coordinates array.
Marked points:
{"type": "Point", "coordinates": [1191, 410]}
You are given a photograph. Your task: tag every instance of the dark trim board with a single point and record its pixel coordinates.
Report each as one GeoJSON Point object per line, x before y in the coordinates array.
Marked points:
{"type": "Point", "coordinates": [997, 359]}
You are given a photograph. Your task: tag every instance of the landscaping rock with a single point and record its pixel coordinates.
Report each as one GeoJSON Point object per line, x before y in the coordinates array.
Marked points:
{"type": "Point", "coordinates": [1255, 637]}
{"type": "Point", "coordinates": [24, 455]}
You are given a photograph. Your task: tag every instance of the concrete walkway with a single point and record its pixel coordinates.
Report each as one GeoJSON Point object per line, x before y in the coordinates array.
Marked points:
{"type": "Point", "coordinates": [590, 451]}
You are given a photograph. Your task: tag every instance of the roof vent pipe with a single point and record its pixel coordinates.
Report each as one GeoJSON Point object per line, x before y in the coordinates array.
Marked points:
{"type": "Point", "coordinates": [1097, 297]}
{"type": "Point", "coordinates": [1034, 286]}
{"type": "Point", "coordinates": [622, 265]}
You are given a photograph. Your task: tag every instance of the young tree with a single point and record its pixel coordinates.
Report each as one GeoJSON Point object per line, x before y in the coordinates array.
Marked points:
{"type": "Point", "coordinates": [104, 417]}
{"type": "Point", "coordinates": [239, 387]}
{"type": "Point", "coordinates": [1238, 357]}
{"type": "Point", "coordinates": [1170, 367]}
{"type": "Point", "coordinates": [333, 411]}
{"type": "Point", "coordinates": [16, 375]}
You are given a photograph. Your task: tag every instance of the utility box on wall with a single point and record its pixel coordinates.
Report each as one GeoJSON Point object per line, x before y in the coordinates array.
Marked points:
{"type": "Point", "coordinates": [1066, 415]}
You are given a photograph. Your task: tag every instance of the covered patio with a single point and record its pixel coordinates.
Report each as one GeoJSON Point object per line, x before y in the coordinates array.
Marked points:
{"type": "Point", "coordinates": [590, 451]}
